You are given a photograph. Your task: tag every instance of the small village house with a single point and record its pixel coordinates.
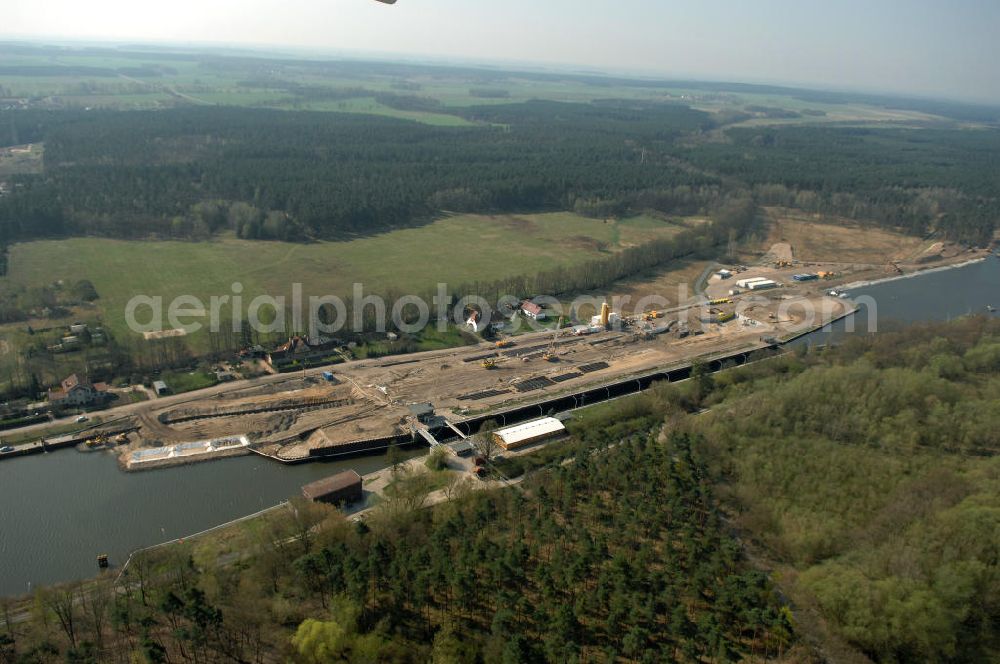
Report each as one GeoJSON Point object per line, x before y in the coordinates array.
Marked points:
{"type": "Point", "coordinates": [75, 392]}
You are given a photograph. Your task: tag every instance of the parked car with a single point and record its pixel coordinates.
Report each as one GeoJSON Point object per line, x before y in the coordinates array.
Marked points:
{"type": "Point", "coordinates": [82, 418]}
{"type": "Point", "coordinates": [6, 448]}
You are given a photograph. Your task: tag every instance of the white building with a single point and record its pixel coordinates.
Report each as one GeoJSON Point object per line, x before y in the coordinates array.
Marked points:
{"type": "Point", "coordinates": [532, 310]}
{"type": "Point", "coordinates": [514, 437]}
{"type": "Point", "coordinates": [745, 283]}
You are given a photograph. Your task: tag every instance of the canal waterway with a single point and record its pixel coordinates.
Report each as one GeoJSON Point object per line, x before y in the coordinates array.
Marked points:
{"type": "Point", "coordinates": [58, 511]}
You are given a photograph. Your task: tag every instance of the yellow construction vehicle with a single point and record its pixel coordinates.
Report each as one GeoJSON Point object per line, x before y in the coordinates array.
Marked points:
{"type": "Point", "coordinates": [504, 343]}
{"type": "Point", "coordinates": [489, 363]}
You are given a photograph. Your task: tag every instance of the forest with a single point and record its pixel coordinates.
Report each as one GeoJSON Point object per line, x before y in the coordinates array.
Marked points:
{"type": "Point", "coordinates": [869, 474]}
{"type": "Point", "coordinates": [273, 174]}
{"type": "Point", "coordinates": [267, 174]}
{"type": "Point", "coordinates": [916, 179]}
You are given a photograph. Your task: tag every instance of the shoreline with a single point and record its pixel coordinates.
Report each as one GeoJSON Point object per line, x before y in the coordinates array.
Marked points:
{"type": "Point", "coordinates": [910, 275]}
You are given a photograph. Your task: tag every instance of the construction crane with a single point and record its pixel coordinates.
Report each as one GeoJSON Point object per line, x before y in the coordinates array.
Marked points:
{"type": "Point", "coordinates": [550, 352]}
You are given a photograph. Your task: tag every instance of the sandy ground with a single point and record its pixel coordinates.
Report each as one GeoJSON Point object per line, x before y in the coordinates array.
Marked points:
{"type": "Point", "coordinates": [371, 398]}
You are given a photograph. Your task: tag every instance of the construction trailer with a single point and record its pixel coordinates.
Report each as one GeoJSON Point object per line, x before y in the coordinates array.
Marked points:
{"type": "Point", "coordinates": [809, 276]}
{"type": "Point", "coordinates": [762, 285]}
{"type": "Point", "coordinates": [745, 283]}
{"type": "Point", "coordinates": [514, 437]}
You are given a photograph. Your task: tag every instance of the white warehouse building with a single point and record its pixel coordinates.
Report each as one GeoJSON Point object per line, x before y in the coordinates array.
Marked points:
{"type": "Point", "coordinates": [514, 437]}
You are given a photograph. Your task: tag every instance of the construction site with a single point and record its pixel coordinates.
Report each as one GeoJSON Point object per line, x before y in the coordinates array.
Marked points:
{"type": "Point", "coordinates": [795, 283]}
{"type": "Point", "coordinates": [367, 405]}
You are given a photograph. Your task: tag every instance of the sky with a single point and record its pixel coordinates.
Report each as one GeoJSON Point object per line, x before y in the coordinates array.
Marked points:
{"type": "Point", "coordinates": [926, 47]}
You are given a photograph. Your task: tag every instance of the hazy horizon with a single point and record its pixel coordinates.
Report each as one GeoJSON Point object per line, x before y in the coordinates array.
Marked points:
{"type": "Point", "coordinates": [913, 48]}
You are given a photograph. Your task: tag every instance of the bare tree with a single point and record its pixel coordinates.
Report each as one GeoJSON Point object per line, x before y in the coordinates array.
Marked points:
{"type": "Point", "coordinates": [96, 604]}
{"type": "Point", "coordinates": [306, 516]}
{"type": "Point", "coordinates": [485, 442]}
{"type": "Point", "coordinates": [62, 602]}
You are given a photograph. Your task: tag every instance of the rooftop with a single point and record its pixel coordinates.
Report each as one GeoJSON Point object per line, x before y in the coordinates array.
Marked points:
{"type": "Point", "coordinates": [542, 427]}
{"type": "Point", "coordinates": [331, 484]}
{"type": "Point", "coordinates": [531, 308]}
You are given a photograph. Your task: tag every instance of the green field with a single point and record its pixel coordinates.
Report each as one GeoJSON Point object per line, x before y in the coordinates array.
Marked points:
{"type": "Point", "coordinates": [368, 106]}
{"type": "Point", "coordinates": [453, 250]}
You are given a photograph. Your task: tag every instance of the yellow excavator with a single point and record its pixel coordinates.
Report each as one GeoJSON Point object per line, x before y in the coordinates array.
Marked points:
{"type": "Point", "coordinates": [489, 363]}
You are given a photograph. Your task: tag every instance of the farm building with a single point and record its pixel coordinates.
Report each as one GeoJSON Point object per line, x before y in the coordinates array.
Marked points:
{"type": "Point", "coordinates": [532, 310]}
{"type": "Point", "coordinates": [341, 489]}
{"type": "Point", "coordinates": [514, 437]}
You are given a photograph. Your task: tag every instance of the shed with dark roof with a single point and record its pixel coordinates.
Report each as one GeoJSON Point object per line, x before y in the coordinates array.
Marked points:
{"type": "Point", "coordinates": [341, 489]}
